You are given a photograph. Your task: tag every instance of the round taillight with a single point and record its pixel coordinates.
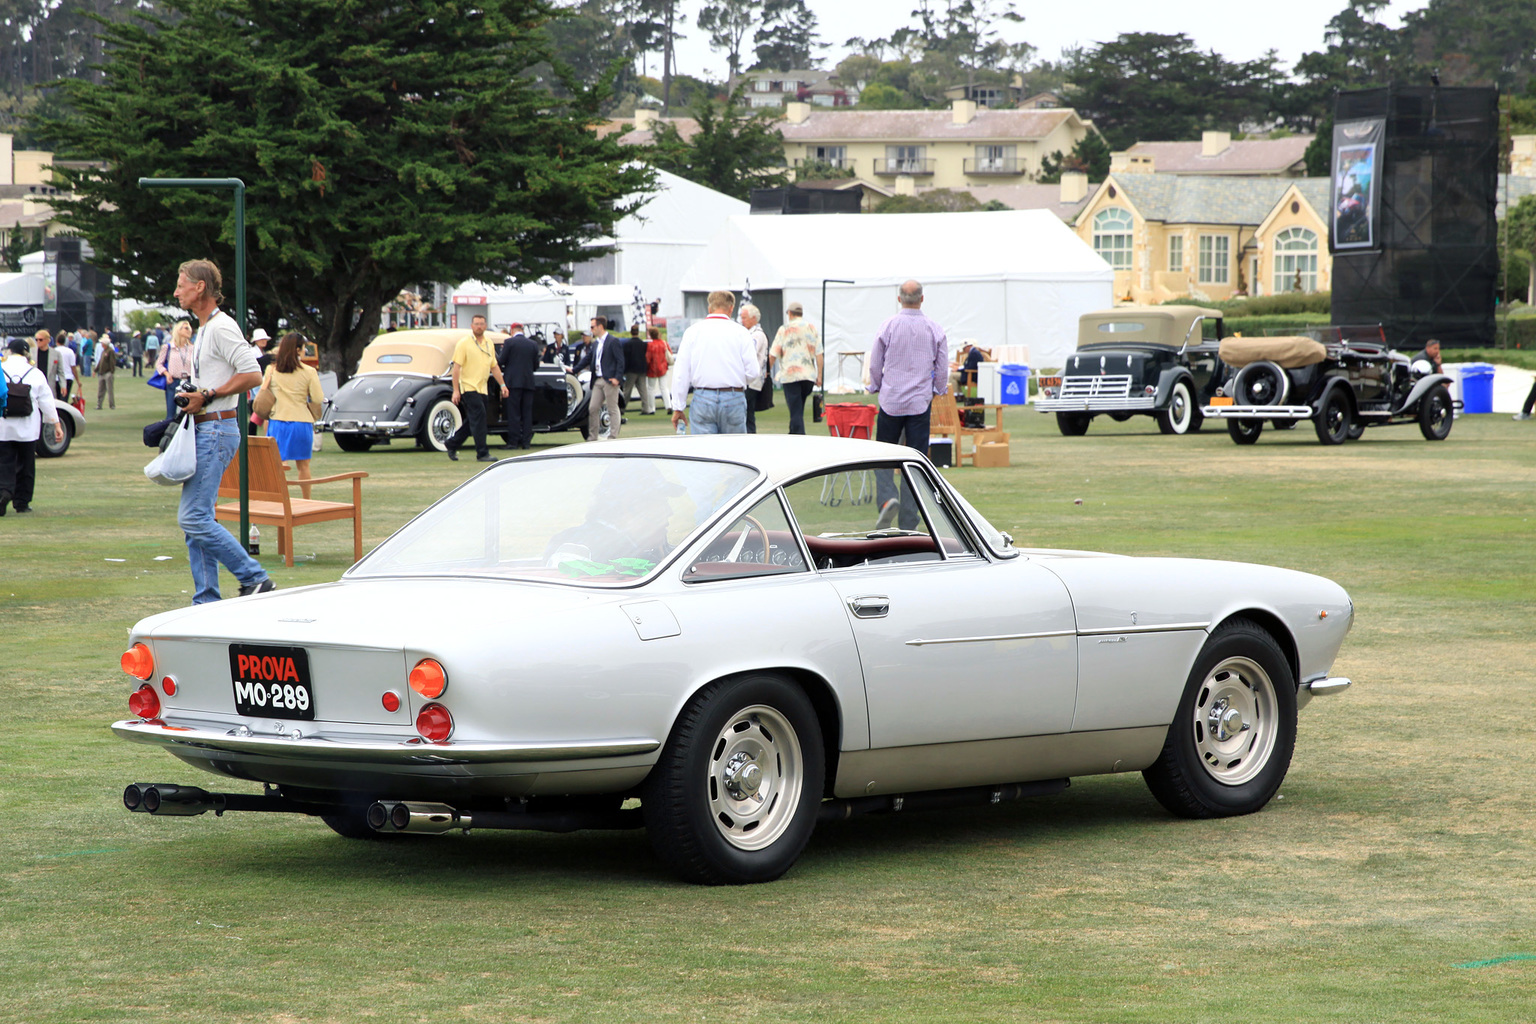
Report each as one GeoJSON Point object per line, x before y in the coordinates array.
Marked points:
{"type": "Point", "coordinates": [138, 662]}
{"type": "Point", "coordinates": [429, 679]}
{"type": "Point", "coordinates": [169, 686]}
{"type": "Point", "coordinates": [144, 702]}
{"type": "Point", "coordinates": [391, 701]}
{"type": "Point", "coordinates": [434, 723]}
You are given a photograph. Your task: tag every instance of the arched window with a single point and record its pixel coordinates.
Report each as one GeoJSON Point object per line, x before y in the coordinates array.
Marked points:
{"type": "Point", "coordinates": [1112, 237]}
{"type": "Point", "coordinates": [1296, 261]}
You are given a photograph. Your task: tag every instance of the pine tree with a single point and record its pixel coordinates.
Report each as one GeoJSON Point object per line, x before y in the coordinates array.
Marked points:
{"type": "Point", "coordinates": [381, 144]}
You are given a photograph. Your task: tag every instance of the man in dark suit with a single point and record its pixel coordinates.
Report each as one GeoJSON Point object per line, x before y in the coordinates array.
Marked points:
{"type": "Point", "coordinates": [607, 373]}
{"type": "Point", "coordinates": [634, 371]}
{"type": "Point", "coordinates": [519, 359]}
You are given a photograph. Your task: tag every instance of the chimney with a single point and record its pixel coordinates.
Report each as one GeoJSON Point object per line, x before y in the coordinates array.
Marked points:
{"type": "Point", "coordinates": [796, 112]}
{"type": "Point", "coordinates": [1522, 157]}
{"type": "Point", "coordinates": [1215, 143]}
{"type": "Point", "coordinates": [963, 111]}
{"type": "Point", "coordinates": [1074, 186]}
{"type": "Point", "coordinates": [645, 119]}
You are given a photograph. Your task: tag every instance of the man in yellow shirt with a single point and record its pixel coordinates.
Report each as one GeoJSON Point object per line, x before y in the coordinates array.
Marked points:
{"type": "Point", "coordinates": [474, 363]}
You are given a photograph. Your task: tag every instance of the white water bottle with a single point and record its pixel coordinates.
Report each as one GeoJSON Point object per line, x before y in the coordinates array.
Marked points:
{"type": "Point", "coordinates": [255, 545]}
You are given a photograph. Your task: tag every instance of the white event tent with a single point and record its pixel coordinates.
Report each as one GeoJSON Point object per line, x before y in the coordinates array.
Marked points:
{"type": "Point", "coordinates": [1010, 278]}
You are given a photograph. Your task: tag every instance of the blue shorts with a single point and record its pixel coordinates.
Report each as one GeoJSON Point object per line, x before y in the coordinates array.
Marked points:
{"type": "Point", "coordinates": [295, 441]}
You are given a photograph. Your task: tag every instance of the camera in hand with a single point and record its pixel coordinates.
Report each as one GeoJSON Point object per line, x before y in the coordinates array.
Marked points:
{"type": "Point", "coordinates": [184, 392]}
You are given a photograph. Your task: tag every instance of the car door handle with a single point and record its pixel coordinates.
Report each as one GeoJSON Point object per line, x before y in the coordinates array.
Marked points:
{"type": "Point", "coordinates": [872, 606]}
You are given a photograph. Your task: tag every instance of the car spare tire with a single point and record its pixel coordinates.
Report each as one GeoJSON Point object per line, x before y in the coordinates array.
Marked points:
{"type": "Point", "coordinates": [1261, 383]}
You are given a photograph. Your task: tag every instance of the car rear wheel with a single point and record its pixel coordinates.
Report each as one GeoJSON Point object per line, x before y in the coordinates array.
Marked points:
{"type": "Point", "coordinates": [1436, 414]}
{"type": "Point", "coordinates": [734, 797]}
{"type": "Point", "coordinates": [1179, 417]}
{"type": "Point", "coordinates": [1231, 740]}
{"type": "Point", "coordinates": [46, 447]}
{"type": "Point", "coordinates": [441, 422]}
{"type": "Point", "coordinates": [1073, 424]}
{"type": "Point", "coordinates": [1244, 431]}
{"type": "Point", "coordinates": [1334, 421]}
{"type": "Point", "coordinates": [352, 442]}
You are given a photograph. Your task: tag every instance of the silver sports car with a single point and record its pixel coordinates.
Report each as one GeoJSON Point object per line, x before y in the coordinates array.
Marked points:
{"type": "Point", "coordinates": [726, 640]}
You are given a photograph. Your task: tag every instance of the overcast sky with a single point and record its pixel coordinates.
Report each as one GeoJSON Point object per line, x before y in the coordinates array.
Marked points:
{"type": "Point", "coordinates": [1236, 31]}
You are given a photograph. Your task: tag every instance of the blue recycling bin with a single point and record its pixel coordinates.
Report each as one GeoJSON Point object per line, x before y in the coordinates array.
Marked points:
{"type": "Point", "coordinates": [1015, 383]}
{"type": "Point", "coordinates": [1477, 387]}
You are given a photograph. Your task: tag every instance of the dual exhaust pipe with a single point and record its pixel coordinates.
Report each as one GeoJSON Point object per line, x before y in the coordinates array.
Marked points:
{"type": "Point", "coordinates": [165, 799]}
{"type": "Point", "coordinates": [413, 816]}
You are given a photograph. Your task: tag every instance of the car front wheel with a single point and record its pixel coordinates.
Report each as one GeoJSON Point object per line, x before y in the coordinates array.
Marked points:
{"type": "Point", "coordinates": [1073, 424]}
{"type": "Point", "coordinates": [735, 795]}
{"type": "Point", "coordinates": [1231, 740]}
{"type": "Point", "coordinates": [46, 447]}
{"type": "Point", "coordinates": [352, 442]}
{"type": "Point", "coordinates": [1435, 414]}
{"type": "Point", "coordinates": [1179, 417]}
{"type": "Point", "coordinates": [1334, 421]}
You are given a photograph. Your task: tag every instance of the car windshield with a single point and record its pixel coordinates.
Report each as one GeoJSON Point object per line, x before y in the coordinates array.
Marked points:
{"type": "Point", "coordinates": [591, 519]}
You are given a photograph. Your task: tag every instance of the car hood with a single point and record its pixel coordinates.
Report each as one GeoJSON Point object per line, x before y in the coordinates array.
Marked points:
{"type": "Point", "coordinates": [387, 613]}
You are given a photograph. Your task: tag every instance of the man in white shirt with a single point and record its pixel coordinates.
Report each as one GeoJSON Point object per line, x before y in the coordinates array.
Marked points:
{"type": "Point", "coordinates": [63, 370]}
{"type": "Point", "coordinates": [716, 359]}
{"type": "Point", "coordinates": [223, 365]}
{"type": "Point", "coordinates": [19, 434]}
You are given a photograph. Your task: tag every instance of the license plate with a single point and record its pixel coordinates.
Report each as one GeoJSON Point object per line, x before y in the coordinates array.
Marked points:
{"type": "Point", "coordinates": [271, 682]}
{"type": "Point", "coordinates": [1048, 382]}
{"type": "Point", "coordinates": [1221, 400]}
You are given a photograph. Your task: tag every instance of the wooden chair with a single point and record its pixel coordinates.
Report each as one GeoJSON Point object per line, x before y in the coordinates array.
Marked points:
{"type": "Point", "coordinates": [270, 504]}
{"type": "Point", "coordinates": [945, 421]}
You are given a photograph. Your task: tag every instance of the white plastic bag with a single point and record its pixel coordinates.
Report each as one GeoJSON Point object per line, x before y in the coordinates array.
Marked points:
{"type": "Point", "coordinates": [178, 462]}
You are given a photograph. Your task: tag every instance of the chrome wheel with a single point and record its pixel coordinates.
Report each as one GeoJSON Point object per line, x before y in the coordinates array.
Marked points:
{"type": "Point", "coordinates": [756, 773]}
{"type": "Point", "coordinates": [442, 422]}
{"type": "Point", "coordinates": [1234, 721]}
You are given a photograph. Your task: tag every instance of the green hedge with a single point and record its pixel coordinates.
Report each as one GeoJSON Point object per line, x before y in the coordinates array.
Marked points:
{"type": "Point", "coordinates": [1518, 333]}
{"type": "Point", "coordinates": [1254, 326]}
{"type": "Point", "coordinates": [1319, 304]}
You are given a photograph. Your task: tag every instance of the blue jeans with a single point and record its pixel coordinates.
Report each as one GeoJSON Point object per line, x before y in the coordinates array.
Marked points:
{"type": "Point", "coordinates": [208, 543]}
{"type": "Point", "coordinates": [718, 412]}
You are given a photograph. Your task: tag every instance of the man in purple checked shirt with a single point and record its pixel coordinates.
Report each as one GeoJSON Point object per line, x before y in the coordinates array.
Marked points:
{"type": "Point", "coordinates": [908, 365]}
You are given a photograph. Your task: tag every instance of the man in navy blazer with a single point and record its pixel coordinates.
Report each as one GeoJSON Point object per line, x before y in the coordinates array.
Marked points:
{"type": "Point", "coordinates": [519, 358]}
{"type": "Point", "coordinates": [607, 374]}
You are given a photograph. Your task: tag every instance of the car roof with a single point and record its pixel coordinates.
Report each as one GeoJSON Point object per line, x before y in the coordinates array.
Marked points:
{"type": "Point", "coordinates": [1166, 325]}
{"type": "Point", "coordinates": [430, 349]}
{"type": "Point", "coordinates": [780, 457]}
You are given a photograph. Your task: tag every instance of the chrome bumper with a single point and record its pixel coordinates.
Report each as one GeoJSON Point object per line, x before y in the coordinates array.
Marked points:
{"type": "Point", "coordinates": [1257, 412]}
{"type": "Point", "coordinates": [1328, 687]}
{"type": "Point", "coordinates": [202, 742]}
{"type": "Point", "coordinates": [1096, 404]}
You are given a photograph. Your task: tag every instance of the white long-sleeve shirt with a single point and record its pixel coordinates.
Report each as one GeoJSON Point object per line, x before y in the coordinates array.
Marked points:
{"type": "Point", "coordinates": [716, 352]}
{"type": "Point", "coordinates": [27, 428]}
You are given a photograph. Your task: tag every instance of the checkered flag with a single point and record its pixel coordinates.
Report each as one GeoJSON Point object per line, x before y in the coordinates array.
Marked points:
{"type": "Point", "coordinates": [640, 311]}
{"type": "Point", "coordinates": [746, 292]}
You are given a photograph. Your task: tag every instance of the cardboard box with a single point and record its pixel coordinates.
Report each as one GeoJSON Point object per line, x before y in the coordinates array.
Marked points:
{"type": "Point", "coordinates": [991, 454]}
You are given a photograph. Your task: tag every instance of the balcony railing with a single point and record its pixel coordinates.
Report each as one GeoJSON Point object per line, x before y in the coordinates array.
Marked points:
{"type": "Point", "coordinates": [893, 167]}
{"type": "Point", "coordinates": [842, 163]}
{"type": "Point", "coordinates": [997, 165]}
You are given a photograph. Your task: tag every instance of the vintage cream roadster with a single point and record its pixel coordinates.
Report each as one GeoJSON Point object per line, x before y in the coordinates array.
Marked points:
{"type": "Point", "coordinates": [717, 629]}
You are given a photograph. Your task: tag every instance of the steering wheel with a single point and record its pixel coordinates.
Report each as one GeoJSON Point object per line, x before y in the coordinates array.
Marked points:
{"type": "Point", "coordinates": [741, 542]}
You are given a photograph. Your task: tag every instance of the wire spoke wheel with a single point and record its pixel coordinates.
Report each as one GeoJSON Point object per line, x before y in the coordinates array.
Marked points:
{"type": "Point", "coordinates": [1233, 719]}
{"type": "Point", "coordinates": [756, 772]}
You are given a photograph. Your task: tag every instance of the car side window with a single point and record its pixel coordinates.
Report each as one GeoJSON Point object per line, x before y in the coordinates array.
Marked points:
{"type": "Point", "coordinates": [941, 518]}
{"type": "Point", "coordinates": [759, 543]}
{"type": "Point", "coordinates": [863, 514]}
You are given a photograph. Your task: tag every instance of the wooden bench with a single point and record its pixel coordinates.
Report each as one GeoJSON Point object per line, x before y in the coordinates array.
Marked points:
{"type": "Point", "coordinates": [270, 504]}
{"type": "Point", "coordinates": [946, 421]}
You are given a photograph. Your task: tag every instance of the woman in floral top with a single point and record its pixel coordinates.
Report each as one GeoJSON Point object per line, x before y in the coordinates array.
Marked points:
{"type": "Point", "coordinates": [796, 360]}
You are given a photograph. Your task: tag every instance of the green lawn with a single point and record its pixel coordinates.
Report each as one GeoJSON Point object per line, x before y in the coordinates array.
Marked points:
{"type": "Point", "coordinates": [1393, 881]}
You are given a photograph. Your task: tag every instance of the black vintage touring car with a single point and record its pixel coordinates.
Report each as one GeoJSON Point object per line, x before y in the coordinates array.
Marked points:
{"type": "Point", "coordinates": [1136, 360]}
{"type": "Point", "coordinates": [1343, 379]}
{"type": "Point", "coordinates": [402, 389]}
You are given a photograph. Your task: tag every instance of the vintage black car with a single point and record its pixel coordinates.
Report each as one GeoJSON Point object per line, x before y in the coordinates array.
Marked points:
{"type": "Point", "coordinates": [1343, 379]}
{"type": "Point", "coordinates": [402, 388]}
{"type": "Point", "coordinates": [1136, 360]}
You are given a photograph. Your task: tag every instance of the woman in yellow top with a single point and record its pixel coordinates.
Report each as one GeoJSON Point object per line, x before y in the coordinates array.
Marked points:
{"type": "Point", "coordinates": [299, 400]}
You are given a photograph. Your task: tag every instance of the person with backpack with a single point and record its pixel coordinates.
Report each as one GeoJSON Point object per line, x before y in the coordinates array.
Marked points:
{"type": "Point", "coordinates": [28, 405]}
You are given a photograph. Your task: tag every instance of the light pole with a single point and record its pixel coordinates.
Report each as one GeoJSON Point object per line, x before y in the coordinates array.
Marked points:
{"type": "Point", "coordinates": [243, 416]}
